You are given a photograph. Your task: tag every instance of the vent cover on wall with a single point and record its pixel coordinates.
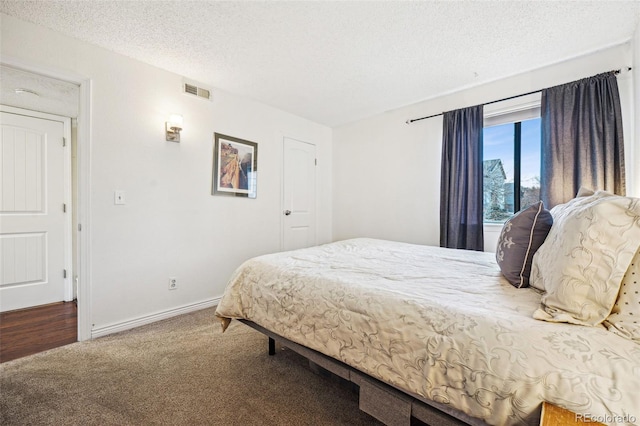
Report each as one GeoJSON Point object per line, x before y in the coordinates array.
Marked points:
{"type": "Point", "coordinates": [200, 92]}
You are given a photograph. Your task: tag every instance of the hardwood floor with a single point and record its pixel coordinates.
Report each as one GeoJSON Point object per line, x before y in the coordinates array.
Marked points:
{"type": "Point", "coordinates": [32, 330]}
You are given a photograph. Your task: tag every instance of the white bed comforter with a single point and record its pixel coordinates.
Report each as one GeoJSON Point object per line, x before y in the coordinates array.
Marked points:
{"type": "Point", "coordinates": [439, 323]}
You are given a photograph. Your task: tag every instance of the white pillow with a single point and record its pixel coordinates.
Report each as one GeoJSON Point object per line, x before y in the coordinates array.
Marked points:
{"type": "Point", "coordinates": [625, 315]}
{"type": "Point", "coordinates": [585, 192]}
{"type": "Point", "coordinates": [587, 252]}
{"type": "Point", "coordinates": [559, 214]}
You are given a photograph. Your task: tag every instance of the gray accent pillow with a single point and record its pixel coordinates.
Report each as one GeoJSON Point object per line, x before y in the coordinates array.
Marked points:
{"type": "Point", "coordinates": [521, 236]}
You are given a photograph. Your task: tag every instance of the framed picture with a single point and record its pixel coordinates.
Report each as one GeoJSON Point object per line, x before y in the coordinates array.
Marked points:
{"type": "Point", "coordinates": [235, 166]}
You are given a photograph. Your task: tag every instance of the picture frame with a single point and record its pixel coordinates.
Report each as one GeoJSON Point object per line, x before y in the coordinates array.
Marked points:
{"type": "Point", "coordinates": [235, 166]}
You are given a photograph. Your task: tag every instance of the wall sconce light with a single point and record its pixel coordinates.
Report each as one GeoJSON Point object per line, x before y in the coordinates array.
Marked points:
{"type": "Point", "coordinates": [173, 128]}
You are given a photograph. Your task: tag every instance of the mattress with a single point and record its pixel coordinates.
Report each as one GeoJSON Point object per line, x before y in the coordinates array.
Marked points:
{"type": "Point", "coordinates": [440, 323]}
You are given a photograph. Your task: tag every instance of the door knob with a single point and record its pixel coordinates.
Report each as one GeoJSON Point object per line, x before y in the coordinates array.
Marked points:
{"type": "Point", "coordinates": [287, 212]}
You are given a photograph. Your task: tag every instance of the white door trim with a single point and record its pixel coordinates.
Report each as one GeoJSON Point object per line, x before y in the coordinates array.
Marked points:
{"type": "Point", "coordinates": [68, 198]}
{"type": "Point", "coordinates": [84, 184]}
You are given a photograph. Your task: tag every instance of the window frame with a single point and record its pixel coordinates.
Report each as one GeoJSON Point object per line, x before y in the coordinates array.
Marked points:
{"type": "Point", "coordinates": [513, 111]}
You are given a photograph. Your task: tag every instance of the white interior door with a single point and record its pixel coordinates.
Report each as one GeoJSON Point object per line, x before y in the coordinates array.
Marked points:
{"type": "Point", "coordinates": [34, 216]}
{"type": "Point", "coordinates": [299, 195]}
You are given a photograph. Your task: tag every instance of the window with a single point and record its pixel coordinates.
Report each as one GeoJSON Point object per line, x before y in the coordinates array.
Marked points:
{"type": "Point", "coordinates": [511, 160]}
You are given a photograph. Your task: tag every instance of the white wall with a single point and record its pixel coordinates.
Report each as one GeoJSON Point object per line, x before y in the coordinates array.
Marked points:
{"type": "Point", "coordinates": [386, 181]}
{"type": "Point", "coordinates": [170, 225]}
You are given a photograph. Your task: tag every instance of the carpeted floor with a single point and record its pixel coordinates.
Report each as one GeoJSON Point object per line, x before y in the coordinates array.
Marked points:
{"type": "Point", "coordinates": [175, 372]}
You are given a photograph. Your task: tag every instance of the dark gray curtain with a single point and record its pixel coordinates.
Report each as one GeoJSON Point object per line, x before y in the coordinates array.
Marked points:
{"type": "Point", "coordinates": [461, 184]}
{"type": "Point", "coordinates": [582, 142]}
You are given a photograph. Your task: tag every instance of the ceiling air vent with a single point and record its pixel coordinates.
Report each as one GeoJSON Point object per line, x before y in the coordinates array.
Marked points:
{"type": "Point", "coordinates": [200, 92]}
{"type": "Point", "coordinates": [190, 88]}
{"type": "Point", "coordinates": [204, 93]}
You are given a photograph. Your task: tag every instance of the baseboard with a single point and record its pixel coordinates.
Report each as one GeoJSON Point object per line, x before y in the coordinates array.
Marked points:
{"type": "Point", "coordinates": [148, 319]}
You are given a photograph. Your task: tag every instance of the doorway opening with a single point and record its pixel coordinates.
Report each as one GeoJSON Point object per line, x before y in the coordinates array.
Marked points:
{"type": "Point", "coordinates": [59, 93]}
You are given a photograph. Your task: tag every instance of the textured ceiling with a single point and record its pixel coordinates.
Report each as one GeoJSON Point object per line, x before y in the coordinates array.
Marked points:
{"type": "Point", "coordinates": [336, 62]}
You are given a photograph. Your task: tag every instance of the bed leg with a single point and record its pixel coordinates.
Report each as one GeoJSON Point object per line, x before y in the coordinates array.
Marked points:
{"type": "Point", "coordinates": [272, 346]}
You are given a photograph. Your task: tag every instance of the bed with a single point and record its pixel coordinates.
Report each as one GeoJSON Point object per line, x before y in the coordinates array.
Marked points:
{"type": "Point", "coordinates": [441, 326]}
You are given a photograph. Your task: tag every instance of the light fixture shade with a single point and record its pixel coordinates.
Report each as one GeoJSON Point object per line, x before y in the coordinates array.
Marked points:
{"type": "Point", "coordinates": [173, 127]}
{"type": "Point", "coordinates": [175, 121]}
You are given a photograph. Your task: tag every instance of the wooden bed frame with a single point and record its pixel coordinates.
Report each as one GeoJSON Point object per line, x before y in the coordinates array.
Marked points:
{"type": "Point", "coordinates": [385, 402]}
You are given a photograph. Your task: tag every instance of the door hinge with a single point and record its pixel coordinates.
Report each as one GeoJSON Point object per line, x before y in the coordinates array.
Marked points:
{"type": "Point", "coordinates": [64, 273]}
{"type": "Point", "coordinates": [64, 141]}
{"type": "Point", "coordinates": [64, 208]}
{"type": "Point", "coordinates": [316, 161]}
{"type": "Point", "coordinates": [79, 227]}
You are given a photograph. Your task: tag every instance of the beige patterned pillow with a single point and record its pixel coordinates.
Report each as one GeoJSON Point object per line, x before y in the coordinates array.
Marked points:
{"type": "Point", "coordinates": [584, 192]}
{"type": "Point", "coordinates": [560, 212]}
{"type": "Point", "coordinates": [625, 315]}
{"type": "Point", "coordinates": [581, 263]}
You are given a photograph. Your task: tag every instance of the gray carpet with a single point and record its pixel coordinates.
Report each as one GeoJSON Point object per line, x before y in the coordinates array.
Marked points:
{"type": "Point", "coordinates": [174, 372]}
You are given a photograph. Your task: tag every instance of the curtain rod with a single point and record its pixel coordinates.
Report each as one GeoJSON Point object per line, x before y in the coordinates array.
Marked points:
{"type": "Point", "coordinates": [411, 120]}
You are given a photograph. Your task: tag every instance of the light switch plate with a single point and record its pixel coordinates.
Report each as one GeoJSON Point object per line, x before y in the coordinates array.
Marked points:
{"type": "Point", "coordinates": [118, 197]}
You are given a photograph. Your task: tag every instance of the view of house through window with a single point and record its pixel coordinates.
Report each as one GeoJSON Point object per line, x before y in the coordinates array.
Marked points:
{"type": "Point", "coordinates": [511, 163]}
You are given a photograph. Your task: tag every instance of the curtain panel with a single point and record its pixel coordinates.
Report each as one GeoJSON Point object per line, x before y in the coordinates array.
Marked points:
{"type": "Point", "coordinates": [461, 190]}
{"type": "Point", "coordinates": [582, 143]}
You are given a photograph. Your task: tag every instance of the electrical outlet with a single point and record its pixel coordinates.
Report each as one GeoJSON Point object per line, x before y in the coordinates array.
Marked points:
{"type": "Point", "coordinates": [173, 283]}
